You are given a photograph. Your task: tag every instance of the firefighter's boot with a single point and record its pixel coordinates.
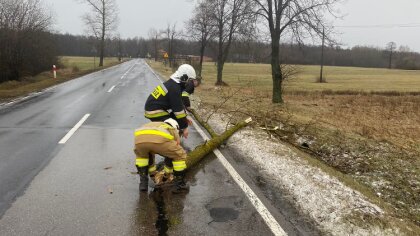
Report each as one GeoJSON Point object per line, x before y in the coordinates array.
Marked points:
{"type": "Point", "coordinates": [179, 183]}
{"type": "Point", "coordinates": [144, 178]}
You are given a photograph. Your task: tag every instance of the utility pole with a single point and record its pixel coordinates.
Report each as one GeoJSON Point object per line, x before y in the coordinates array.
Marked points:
{"type": "Point", "coordinates": [392, 46]}
{"type": "Point", "coordinates": [322, 55]}
{"type": "Point", "coordinates": [390, 57]}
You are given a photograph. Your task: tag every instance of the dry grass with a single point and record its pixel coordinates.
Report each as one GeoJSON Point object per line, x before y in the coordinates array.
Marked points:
{"type": "Point", "coordinates": [356, 79]}
{"type": "Point", "coordinates": [72, 67]}
{"type": "Point", "coordinates": [364, 123]}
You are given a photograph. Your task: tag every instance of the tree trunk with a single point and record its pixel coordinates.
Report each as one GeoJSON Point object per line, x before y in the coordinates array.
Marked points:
{"type": "Point", "coordinates": [276, 72]}
{"type": "Point", "coordinates": [390, 59]}
{"type": "Point", "coordinates": [101, 53]}
{"type": "Point", "coordinates": [156, 51]}
{"type": "Point", "coordinates": [220, 65]}
{"type": "Point", "coordinates": [200, 67]}
{"type": "Point", "coordinates": [220, 62]}
{"type": "Point", "coordinates": [170, 52]}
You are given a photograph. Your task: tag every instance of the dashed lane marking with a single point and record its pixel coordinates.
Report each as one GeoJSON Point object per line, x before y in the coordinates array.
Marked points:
{"type": "Point", "coordinates": [110, 90]}
{"type": "Point", "coordinates": [73, 130]}
{"type": "Point", "coordinates": [125, 74]}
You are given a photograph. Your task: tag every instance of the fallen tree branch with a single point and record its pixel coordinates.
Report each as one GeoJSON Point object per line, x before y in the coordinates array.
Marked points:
{"type": "Point", "coordinates": [204, 149]}
{"type": "Point", "coordinates": [203, 123]}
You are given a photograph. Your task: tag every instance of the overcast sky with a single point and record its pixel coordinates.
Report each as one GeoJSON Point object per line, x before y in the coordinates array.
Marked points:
{"type": "Point", "coordinates": [366, 22]}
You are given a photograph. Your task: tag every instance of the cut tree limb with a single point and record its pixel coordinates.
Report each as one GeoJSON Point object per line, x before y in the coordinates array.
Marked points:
{"type": "Point", "coordinates": [204, 149]}
{"type": "Point", "coordinates": [203, 123]}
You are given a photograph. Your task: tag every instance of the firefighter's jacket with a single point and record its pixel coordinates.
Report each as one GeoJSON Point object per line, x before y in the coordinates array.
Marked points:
{"type": "Point", "coordinates": [166, 98]}
{"type": "Point", "coordinates": [156, 132]}
{"type": "Point", "coordinates": [189, 89]}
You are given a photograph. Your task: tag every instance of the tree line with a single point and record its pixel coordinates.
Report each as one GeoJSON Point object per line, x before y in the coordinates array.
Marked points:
{"type": "Point", "coordinates": [243, 52]}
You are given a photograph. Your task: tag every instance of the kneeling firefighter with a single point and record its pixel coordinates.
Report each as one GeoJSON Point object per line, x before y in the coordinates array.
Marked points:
{"type": "Point", "coordinates": [160, 138]}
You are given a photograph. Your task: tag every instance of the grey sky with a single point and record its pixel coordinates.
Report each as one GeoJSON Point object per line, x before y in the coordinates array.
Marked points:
{"type": "Point", "coordinates": [138, 16]}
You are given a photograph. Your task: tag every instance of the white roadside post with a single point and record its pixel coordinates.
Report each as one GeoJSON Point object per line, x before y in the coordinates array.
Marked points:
{"type": "Point", "coordinates": [55, 72]}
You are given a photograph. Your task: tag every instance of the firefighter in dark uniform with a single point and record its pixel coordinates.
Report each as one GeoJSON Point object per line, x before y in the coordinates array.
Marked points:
{"type": "Point", "coordinates": [166, 102]}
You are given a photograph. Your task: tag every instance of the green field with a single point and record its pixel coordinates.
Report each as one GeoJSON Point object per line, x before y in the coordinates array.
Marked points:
{"type": "Point", "coordinates": [86, 63]}
{"type": "Point", "coordinates": [338, 78]}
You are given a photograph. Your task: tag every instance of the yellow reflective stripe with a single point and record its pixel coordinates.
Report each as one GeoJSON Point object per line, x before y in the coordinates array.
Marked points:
{"type": "Point", "coordinates": [180, 116]}
{"type": "Point", "coordinates": [142, 162]}
{"type": "Point", "coordinates": [179, 165]}
{"type": "Point", "coordinates": [152, 168]}
{"type": "Point", "coordinates": [155, 115]}
{"type": "Point", "coordinates": [166, 126]}
{"type": "Point", "coordinates": [154, 132]}
{"type": "Point", "coordinates": [168, 170]}
{"type": "Point", "coordinates": [161, 90]}
{"type": "Point", "coordinates": [185, 94]}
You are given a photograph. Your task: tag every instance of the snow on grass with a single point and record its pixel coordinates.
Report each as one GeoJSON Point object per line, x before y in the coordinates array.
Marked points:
{"type": "Point", "coordinates": [322, 197]}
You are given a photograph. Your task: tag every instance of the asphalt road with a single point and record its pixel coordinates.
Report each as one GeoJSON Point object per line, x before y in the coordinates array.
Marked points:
{"type": "Point", "coordinates": [87, 186]}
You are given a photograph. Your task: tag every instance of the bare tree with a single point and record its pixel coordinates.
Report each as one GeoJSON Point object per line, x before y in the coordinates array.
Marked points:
{"type": "Point", "coordinates": [170, 34]}
{"type": "Point", "coordinates": [391, 46]}
{"type": "Point", "coordinates": [201, 28]}
{"type": "Point", "coordinates": [101, 21]}
{"type": "Point", "coordinates": [301, 18]}
{"type": "Point", "coordinates": [25, 39]}
{"type": "Point", "coordinates": [232, 18]}
{"type": "Point", "coordinates": [154, 37]}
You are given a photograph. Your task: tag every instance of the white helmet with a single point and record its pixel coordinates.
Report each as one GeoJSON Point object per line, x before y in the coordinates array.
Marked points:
{"type": "Point", "coordinates": [172, 122]}
{"type": "Point", "coordinates": [184, 73]}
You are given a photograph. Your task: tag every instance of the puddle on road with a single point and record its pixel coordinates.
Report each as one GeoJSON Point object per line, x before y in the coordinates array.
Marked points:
{"type": "Point", "coordinates": [223, 214]}
{"type": "Point", "coordinates": [225, 209]}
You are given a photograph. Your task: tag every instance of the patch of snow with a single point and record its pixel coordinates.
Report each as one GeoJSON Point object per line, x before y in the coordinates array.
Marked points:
{"type": "Point", "coordinates": [322, 197]}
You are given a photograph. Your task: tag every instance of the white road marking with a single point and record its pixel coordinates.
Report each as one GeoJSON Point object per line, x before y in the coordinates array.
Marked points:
{"type": "Point", "coordinates": [73, 130]}
{"type": "Point", "coordinates": [253, 198]}
{"type": "Point", "coordinates": [125, 74]}
{"type": "Point", "coordinates": [153, 72]}
{"type": "Point", "coordinates": [111, 89]}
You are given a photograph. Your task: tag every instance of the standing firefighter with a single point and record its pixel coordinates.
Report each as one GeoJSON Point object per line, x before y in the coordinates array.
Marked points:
{"type": "Point", "coordinates": [160, 138]}
{"type": "Point", "coordinates": [166, 102]}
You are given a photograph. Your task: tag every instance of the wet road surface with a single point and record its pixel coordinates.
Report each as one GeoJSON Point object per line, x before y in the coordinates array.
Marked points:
{"type": "Point", "coordinates": [88, 185]}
